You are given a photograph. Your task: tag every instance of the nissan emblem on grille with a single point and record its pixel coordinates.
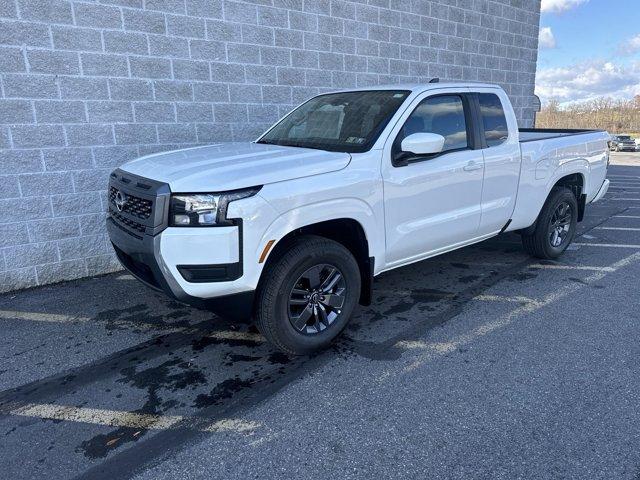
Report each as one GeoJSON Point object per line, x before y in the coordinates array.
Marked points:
{"type": "Point", "coordinates": [120, 200]}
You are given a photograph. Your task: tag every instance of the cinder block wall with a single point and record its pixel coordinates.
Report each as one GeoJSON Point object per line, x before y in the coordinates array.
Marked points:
{"type": "Point", "coordinates": [87, 85]}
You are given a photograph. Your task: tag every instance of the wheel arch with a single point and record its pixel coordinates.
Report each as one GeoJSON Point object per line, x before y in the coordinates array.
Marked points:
{"type": "Point", "coordinates": [575, 182]}
{"type": "Point", "coordinates": [349, 232]}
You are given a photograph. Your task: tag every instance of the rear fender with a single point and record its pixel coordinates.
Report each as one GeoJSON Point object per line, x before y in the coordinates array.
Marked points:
{"type": "Point", "coordinates": [538, 196]}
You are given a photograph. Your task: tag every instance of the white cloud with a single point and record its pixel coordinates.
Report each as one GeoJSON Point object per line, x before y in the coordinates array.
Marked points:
{"type": "Point", "coordinates": [557, 6]}
{"type": "Point", "coordinates": [630, 46]}
{"type": "Point", "coordinates": [546, 38]}
{"type": "Point", "coordinates": [588, 80]}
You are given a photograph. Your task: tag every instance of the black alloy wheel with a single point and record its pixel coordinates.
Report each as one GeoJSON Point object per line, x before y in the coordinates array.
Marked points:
{"type": "Point", "coordinates": [317, 299]}
{"type": "Point", "coordinates": [555, 226]}
{"type": "Point", "coordinates": [560, 224]}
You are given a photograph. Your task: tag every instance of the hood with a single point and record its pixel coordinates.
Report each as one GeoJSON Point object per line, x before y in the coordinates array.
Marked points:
{"type": "Point", "coordinates": [229, 166]}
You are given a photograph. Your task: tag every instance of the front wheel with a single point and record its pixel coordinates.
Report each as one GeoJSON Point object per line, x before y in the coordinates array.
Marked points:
{"type": "Point", "coordinates": [307, 295]}
{"type": "Point", "coordinates": [555, 226]}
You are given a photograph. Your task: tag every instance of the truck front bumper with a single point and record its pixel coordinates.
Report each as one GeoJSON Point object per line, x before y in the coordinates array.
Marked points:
{"type": "Point", "coordinates": [200, 268]}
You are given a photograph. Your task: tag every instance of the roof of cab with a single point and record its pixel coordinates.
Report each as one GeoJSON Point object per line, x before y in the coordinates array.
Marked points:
{"type": "Point", "coordinates": [418, 87]}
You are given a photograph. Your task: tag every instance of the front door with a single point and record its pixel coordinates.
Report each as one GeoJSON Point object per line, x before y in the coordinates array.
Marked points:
{"type": "Point", "coordinates": [433, 203]}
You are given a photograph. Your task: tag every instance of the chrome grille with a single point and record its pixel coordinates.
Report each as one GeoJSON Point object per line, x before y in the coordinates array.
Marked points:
{"type": "Point", "coordinates": [136, 206]}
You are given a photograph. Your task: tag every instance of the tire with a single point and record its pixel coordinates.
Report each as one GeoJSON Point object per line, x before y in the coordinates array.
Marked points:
{"type": "Point", "coordinates": [541, 242]}
{"type": "Point", "coordinates": [308, 259]}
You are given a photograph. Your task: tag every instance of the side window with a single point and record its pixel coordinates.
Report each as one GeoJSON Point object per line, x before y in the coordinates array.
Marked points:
{"type": "Point", "coordinates": [493, 119]}
{"type": "Point", "coordinates": [443, 115]}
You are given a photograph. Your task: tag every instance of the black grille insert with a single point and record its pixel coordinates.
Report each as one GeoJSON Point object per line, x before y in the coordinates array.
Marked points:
{"type": "Point", "coordinates": [136, 206]}
{"type": "Point", "coordinates": [124, 221]}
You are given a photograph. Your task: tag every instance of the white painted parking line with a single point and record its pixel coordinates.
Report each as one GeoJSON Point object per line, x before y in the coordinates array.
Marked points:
{"type": "Point", "coordinates": [470, 264]}
{"type": "Point", "coordinates": [499, 298]}
{"type": "Point", "coordinates": [111, 418]}
{"type": "Point", "coordinates": [624, 199]}
{"type": "Point", "coordinates": [540, 266]}
{"type": "Point", "coordinates": [57, 318]}
{"type": "Point", "coordinates": [624, 229]}
{"type": "Point", "coordinates": [41, 317]}
{"type": "Point", "coordinates": [232, 335]}
{"type": "Point", "coordinates": [166, 328]}
{"type": "Point", "coordinates": [606, 245]}
{"type": "Point", "coordinates": [118, 418]}
{"type": "Point", "coordinates": [406, 291]}
{"type": "Point", "coordinates": [430, 349]}
{"type": "Point", "coordinates": [626, 216]}
{"type": "Point", "coordinates": [231, 425]}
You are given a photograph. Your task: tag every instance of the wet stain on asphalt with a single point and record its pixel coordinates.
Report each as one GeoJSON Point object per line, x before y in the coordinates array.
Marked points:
{"type": "Point", "coordinates": [200, 344]}
{"type": "Point", "coordinates": [430, 295]}
{"type": "Point", "coordinates": [232, 358]}
{"type": "Point", "coordinates": [101, 445]}
{"type": "Point", "coordinates": [278, 358]}
{"type": "Point", "coordinates": [222, 391]}
{"type": "Point", "coordinates": [400, 307]}
{"type": "Point", "coordinates": [171, 375]}
{"type": "Point", "coordinates": [468, 278]}
{"type": "Point", "coordinates": [125, 318]}
{"type": "Point", "coordinates": [416, 297]}
{"type": "Point", "coordinates": [460, 265]}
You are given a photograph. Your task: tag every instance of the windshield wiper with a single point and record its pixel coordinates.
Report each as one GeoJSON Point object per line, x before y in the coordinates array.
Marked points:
{"type": "Point", "coordinates": [268, 142]}
{"type": "Point", "coordinates": [286, 144]}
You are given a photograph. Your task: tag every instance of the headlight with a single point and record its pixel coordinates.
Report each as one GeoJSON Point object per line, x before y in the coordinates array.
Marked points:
{"type": "Point", "coordinates": [204, 209]}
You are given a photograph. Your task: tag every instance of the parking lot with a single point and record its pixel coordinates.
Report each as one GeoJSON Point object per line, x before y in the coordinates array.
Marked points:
{"type": "Point", "coordinates": [481, 363]}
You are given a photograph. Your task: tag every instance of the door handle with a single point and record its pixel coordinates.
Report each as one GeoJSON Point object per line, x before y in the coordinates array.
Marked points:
{"type": "Point", "coordinates": [472, 165]}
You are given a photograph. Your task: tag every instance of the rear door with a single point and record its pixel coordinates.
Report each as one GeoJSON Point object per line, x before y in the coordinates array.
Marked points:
{"type": "Point", "coordinates": [433, 202]}
{"type": "Point", "coordinates": [502, 157]}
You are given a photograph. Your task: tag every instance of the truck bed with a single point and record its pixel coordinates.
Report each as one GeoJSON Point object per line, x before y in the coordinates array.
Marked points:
{"type": "Point", "coordinates": [533, 134]}
{"type": "Point", "coordinates": [551, 154]}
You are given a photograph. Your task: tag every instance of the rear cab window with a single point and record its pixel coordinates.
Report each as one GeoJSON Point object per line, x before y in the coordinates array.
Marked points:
{"type": "Point", "coordinates": [494, 120]}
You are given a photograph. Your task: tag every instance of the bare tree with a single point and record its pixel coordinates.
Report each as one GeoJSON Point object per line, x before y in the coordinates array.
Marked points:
{"type": "Point", "coordinates": [615, 116]}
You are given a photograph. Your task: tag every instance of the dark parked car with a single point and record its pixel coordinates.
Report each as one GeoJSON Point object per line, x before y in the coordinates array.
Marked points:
{"type": "Point", "coordinates": [623, 143]}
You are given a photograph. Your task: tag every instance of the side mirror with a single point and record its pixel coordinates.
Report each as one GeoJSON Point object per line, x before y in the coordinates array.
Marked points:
{"type": "Point", "coordinates": [423, 143]}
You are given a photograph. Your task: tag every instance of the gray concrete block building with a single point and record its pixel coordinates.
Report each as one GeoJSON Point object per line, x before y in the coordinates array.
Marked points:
{"type": "Point", "coordinates": [87, 85]}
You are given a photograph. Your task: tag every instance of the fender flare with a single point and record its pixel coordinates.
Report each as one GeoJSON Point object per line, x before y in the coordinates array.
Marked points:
{"type": "Point", "coordinates": [573, 167]}
{"type": "Point", "coordinates": [310, 214]}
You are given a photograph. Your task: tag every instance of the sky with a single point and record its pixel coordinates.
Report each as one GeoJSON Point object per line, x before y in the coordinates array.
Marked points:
{"type": "Point", "coordinates": [588, 49]}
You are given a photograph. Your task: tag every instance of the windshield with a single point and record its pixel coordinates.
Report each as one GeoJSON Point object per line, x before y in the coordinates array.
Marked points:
{"type": "Point", "coordinates": [339, 122]}
{"type": "Point", "coordinates": [624, 138]}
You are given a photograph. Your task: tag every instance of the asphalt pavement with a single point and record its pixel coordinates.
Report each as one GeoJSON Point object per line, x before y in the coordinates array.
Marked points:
{"type": "Point", "coordinates": [481, 363]}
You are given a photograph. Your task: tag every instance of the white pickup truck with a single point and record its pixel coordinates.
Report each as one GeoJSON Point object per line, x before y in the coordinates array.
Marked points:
{"type": "Point", "coordinates": [292, 228]}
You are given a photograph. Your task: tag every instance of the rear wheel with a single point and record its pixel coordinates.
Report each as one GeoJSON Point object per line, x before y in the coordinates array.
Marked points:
{"type": "Point", "coordinates": [307, 296]}
{"type": "Point", "coordinates": [555, 226]}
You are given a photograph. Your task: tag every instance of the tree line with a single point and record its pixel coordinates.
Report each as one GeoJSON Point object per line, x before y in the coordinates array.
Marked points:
{"type": "Point", "coordinates": [614, 116]}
